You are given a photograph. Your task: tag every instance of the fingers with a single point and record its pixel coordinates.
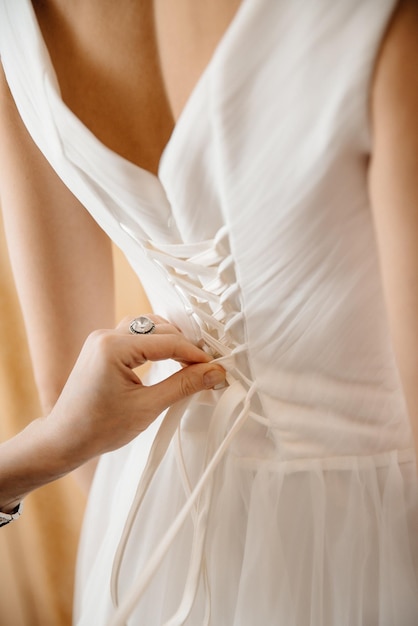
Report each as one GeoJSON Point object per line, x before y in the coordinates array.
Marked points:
{"type": "Point", "coordinates": [134, 350]}
{"type": "Point", "coordinates": [149, 350]}
{"type": "Point", "coordinates": [184, 383]}
{"type": "Point", "coordinates": [158, 347]}
{"type": "Point", "coordinates": [162, 326]}
{"type": "Point", "coordinates": [104, 386]}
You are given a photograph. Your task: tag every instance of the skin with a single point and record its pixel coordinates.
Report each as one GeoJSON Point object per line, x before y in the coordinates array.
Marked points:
{"type": "Point", "coordinates": [30, 192]}
{"type": "Point", "coordinates": [91, 416]}
{"type": "Point", "coordinates": [163, 48]}
{"type": "Point", "coordinates": [394, 190]}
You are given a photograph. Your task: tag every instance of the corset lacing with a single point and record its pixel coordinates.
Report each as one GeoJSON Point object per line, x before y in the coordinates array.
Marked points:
{"type": "Point", "coordinates": [203, 275]}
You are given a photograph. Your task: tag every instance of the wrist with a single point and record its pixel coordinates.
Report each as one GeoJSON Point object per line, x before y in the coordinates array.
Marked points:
{"type": "Point", "coordinates": [72, 444]}
{"type": "Point", "coordinates": [30, 460]}
{"type": "Point", "coordinates": [7, 517]}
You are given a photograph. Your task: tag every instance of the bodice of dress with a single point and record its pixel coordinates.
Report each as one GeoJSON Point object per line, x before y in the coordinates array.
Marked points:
{"type": "Point", "coordinates": [257, 233]}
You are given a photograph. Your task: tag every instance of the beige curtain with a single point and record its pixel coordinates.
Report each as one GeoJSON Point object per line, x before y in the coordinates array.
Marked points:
{"type": "Point", "coordinates": [37, 553]}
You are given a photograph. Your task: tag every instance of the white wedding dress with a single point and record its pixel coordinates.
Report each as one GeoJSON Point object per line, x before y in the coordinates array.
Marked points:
{"type": "Point", "coordinates": [290, 497]}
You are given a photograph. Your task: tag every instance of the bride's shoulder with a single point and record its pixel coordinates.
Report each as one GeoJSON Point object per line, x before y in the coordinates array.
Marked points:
{"type": "Point", "coordinates": [397, 61]}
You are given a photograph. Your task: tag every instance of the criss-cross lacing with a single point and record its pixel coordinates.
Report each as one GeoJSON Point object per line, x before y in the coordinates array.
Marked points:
{"type": "Point", "coordinates": [203, 275]}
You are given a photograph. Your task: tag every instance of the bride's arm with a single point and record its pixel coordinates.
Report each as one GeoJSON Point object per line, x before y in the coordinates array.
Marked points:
{"type": "Point", "coordinates": [61, 260]}
{"type": "Point", "coordinates": [394, 190]}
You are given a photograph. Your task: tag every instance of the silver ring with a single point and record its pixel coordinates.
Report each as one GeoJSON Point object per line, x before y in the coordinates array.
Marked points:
{"type": "Point", "coordinates": [141, 325]}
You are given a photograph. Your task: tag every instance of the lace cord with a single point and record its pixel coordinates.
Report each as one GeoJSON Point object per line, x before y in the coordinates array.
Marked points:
{"type": "Point", "coordinates": [231, 399]}
{"type": "Point", "coordinates": [188, 490]}
{"type": "Point", "coordinates": [199, 273]}
{"type": "Point", "coordinates": [158, 450]}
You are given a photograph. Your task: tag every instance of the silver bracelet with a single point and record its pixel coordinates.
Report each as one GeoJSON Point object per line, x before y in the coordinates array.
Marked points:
{"type": "Point", "coordinates": [6, 518]}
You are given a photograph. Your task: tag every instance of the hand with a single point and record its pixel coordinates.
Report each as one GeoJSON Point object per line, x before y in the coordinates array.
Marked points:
{"type": "Point", "coordinates": [104, 404]}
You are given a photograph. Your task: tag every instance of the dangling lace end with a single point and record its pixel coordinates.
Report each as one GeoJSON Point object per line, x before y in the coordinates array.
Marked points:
{"type": "Point", "coordinates": [232, 398]}
{"type": "Point", "coordinates": [158, 450]}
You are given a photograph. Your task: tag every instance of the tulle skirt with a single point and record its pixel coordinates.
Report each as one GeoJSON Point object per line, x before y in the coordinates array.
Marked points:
{"type": "Point", "coordinates": [307, 542]}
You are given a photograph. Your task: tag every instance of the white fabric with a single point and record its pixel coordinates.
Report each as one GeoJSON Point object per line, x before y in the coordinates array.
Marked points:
{"type": "Point", "coordinates": [289, 498]}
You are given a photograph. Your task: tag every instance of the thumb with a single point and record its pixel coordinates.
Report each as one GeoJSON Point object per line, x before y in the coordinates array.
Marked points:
{"type": "Point", "coordinates": [188, 381]}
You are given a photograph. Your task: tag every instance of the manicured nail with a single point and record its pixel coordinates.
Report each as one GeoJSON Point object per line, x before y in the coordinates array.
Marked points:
{"type": "Point", "coordinates": [213, 377]}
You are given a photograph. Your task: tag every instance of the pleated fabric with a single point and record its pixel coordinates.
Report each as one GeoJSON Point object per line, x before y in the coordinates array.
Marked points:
{"type": "Point", "coordinates": [290, 497]}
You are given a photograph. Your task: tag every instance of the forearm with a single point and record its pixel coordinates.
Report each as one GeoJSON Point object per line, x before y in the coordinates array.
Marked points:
{"type": "Point", "coordinates": [31, 459]}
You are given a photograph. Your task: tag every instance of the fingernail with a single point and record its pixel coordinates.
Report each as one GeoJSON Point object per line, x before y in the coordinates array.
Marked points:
{"type": "Point", "coordinates": [213, 377]}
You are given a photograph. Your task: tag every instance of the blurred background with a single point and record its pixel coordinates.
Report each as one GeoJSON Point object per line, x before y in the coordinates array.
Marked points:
{"type": "Point", "coordinates": [38, 552]}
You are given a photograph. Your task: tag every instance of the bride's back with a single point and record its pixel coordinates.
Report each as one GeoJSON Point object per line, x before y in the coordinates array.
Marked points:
{"type": "Point", "coordinates": [126, 69]}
